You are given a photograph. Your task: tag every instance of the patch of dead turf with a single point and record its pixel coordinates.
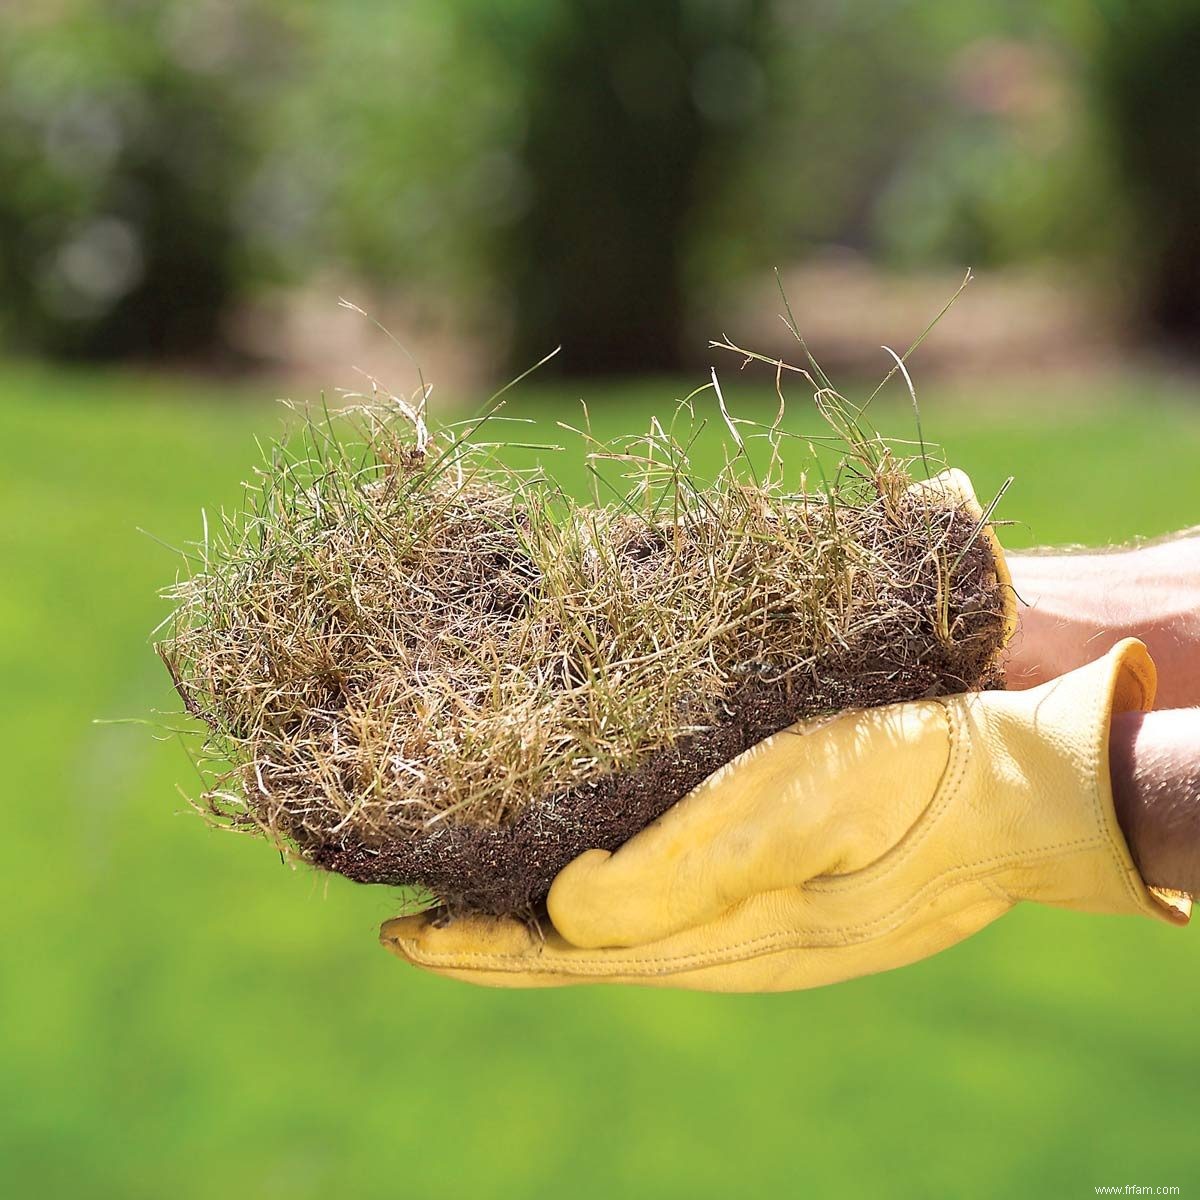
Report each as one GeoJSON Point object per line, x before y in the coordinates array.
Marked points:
{"type": "Point", "coordinates": [418, 669]}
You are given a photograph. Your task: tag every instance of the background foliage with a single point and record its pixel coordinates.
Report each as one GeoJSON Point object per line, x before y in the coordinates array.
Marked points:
{"type": "Point", "coordinates": [577, 172]}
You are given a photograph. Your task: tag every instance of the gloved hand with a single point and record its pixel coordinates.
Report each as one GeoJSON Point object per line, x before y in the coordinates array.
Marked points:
{"type": "Point", "coordinates": [841, 848]}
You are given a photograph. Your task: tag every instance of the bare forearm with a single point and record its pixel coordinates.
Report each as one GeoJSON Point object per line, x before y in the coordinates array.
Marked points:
{"type": "Point", "coordinates": [1073, 607]}
{"type": "Point", "coordinates": [1155, 761]}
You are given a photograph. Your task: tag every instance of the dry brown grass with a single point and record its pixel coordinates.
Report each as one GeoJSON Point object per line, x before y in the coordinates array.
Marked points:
{"type": "Point", "coordinates": [416, 666]}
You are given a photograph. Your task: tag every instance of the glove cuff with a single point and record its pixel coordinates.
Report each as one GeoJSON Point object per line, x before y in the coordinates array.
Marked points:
{"type": "Point", "coordinates": [1074, 714]}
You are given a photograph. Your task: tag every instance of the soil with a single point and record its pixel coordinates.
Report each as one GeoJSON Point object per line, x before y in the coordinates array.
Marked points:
{"type": "Point", "coordinates": [508, 870]}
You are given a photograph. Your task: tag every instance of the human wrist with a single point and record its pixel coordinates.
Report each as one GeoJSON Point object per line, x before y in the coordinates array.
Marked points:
{"type": "Point", "coordinates": [1073, 607]}
{"type": "Point", "coordinates": [1154, 760]}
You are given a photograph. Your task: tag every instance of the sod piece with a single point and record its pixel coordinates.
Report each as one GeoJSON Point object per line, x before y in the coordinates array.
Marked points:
{"type": "Point", "coordinates": [418, 668]}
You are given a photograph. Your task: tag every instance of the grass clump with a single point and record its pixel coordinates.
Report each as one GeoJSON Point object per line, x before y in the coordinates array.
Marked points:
{"type": "Point", "coordinates": [418, 667]}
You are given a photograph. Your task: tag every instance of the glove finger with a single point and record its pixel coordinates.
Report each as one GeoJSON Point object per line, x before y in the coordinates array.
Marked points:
{"type": "Point", "coordinates": [814, 800]}
{"type": "Point", "coordinates": [739, 952]}
{"type": "Point", "coordinates": [488, 951]}
{"type": "Point", "coordinates": [778, 941]}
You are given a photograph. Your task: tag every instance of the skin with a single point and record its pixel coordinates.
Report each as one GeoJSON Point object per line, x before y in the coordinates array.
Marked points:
{"type": "Point", "coordinates": [1155, 760]}
{"type": "Point", "coordinates": [1074, 607]}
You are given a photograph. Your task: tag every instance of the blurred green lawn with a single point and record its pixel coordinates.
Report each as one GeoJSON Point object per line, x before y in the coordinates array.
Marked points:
{"type": "Point", "coordinates": [184, 1017]}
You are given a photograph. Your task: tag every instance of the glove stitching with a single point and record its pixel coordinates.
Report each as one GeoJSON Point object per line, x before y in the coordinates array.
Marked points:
{"type": "Point", "coordinates": [769, 943]}
{"type": "Point", "coordinates": [956, 769]}
{"type": "Point", "coordinates": [957, 762]}
{"type": "Point", "coordinates": [992, 886]}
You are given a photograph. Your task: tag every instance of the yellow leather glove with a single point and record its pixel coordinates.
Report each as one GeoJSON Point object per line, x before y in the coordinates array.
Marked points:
{"type": "Point", "coordinates": [841, 848]}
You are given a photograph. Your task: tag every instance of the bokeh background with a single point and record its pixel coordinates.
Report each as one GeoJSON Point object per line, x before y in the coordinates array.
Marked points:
{"type": "Point", "coordinates": [188, 186]}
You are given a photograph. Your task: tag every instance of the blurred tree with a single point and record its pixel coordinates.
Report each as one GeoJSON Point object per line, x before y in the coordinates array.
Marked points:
{"type": "Point", "coordinates": [593, 172]}
{"type": "Point", "coordinates": [126, 133]}
{"type": "Point", "coordinates": [1007, 169]}
{"type": "Point", "coordinates": [625, 102]}
{"type": "Point", "coordinates": [390, 155]}
{"type": "Point", "coordinates": [1147, 76]}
